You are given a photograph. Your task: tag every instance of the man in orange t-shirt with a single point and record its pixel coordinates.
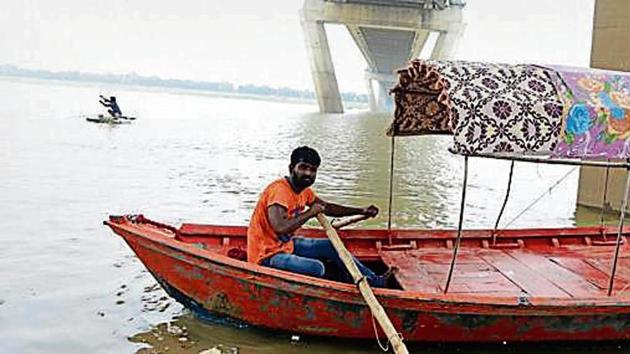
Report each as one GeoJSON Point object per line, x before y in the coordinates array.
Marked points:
{"type": "Point", "coordinates": [281, 210]}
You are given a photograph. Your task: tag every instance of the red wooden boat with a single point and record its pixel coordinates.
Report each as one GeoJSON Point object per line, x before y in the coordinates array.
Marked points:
{"type": "Point", "coordinates": [529, 285]}
{"type": "Point", "coordinates": [452, 285]}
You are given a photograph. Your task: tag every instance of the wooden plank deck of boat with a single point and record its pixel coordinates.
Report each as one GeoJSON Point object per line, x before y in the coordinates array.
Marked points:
{"type": "Point", "coordinates": [567, 272]}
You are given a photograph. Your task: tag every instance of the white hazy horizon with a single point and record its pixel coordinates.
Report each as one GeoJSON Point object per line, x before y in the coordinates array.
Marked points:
{"type": "Point", "coordinates": [260, 42]}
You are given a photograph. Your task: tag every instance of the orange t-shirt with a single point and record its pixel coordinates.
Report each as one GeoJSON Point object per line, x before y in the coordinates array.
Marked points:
{"type": "Point", "coordinates": [262, 241]}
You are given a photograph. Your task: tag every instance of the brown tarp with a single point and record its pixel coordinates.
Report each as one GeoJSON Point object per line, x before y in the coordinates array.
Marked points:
{"type": "Point", "coordinates": [422, 103]}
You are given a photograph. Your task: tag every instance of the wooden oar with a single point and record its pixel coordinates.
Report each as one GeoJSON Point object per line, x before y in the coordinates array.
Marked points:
{"type": "Point", "coordinates": [376, 308]}
{"type": "Point", "coordinates": [349, 221]}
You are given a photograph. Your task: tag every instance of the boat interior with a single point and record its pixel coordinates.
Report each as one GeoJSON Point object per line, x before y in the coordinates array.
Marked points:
{"type": "Point", "coordinates": [555, 263]}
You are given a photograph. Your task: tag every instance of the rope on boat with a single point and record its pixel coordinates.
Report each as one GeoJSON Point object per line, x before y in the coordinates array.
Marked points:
{"type": "Point", "coordinates": [356, 282]}
{"type": "Point", "coordinates": [385, 347]}
{"type": "Point", "coordinates": [459, 226]}
{"type": "Point", "coordinates": [557, 183]}
{"type": "Point", "coordinates": [507, 195]}
{"type": "Point", "coordinates": [391, 190]}
{"type": "Point", "coordinates": [604, 202]}
{"type": "Point", "coordinates": [622, 214]}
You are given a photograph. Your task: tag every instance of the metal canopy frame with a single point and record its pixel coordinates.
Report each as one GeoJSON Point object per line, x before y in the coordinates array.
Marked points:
{"type": "Point", "coordinates": [532, 159]}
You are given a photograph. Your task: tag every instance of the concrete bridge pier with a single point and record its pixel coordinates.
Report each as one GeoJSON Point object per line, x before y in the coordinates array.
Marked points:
{"type": "Point", "coordinates": [610, 50]}
{"type": "Point", "coordinates": [388, 33]}
{"type": "Point", "coordinates": [379, 85]}
{"type": "Point", "coordinates": [446, 43]}
{"type": "Point", "coordinates": [322, 69]}
{"type": "Point", "coordinates": [369, 83]}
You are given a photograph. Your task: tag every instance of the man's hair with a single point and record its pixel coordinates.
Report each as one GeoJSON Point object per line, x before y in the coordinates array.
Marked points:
{"type": "Point", "coordinates": [305, 154]}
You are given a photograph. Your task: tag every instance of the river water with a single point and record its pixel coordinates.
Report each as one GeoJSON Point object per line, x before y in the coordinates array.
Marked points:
{"type": "Point", "coordinates": [69, 285]}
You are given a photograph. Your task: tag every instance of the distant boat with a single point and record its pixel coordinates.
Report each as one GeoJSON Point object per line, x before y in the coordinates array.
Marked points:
{"type": "Point", "coordinates": [110, 120]}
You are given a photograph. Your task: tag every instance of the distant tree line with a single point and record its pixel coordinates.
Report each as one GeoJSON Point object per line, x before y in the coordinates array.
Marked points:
{"type": "Point", "coordinates": [154, 81]}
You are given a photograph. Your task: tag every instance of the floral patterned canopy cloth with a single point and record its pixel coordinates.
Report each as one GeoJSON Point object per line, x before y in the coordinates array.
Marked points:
{"type": "Point", "coordinates": [516, 109]}
{"type": "Point", "coordinates": [597, 124]}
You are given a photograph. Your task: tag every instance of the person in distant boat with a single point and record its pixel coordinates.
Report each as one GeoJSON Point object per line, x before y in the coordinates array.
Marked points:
{"type": "Point", "coordinates": [281, 210]}
{"type": "Point", "coordinates": [112, 105]}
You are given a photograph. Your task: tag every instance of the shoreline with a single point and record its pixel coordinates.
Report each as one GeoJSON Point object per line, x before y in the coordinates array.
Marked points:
{"type": "Point", "coordinates": [176, 90]}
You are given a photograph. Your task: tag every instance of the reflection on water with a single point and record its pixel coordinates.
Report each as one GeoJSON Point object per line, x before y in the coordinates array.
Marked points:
{"type": "Point", "coordinates": [68, 285]}
{"type": "Point", "coordinates": [187, 335]}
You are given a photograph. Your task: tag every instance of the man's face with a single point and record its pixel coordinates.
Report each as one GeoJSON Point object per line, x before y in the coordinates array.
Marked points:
{"type": "Point", "coordinates": [303, 174]}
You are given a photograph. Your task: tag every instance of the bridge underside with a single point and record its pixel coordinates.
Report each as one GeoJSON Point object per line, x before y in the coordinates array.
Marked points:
{"type": "Point", "coordinates": [385, 50]}
{"type": "Point", "coordinates": [388, 33]}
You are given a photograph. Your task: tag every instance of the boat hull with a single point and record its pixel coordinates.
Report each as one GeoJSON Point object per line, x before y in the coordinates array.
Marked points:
{"type": "Point", "coordinates": [254, 295]}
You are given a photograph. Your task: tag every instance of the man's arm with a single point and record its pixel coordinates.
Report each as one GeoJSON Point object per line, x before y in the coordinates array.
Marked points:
{"type": "Point", "coordinates": [104, 103]}
{"type": "Point", "coordinates": [337, 210]}
{"type": "Point", "coordinates": [282, 225]}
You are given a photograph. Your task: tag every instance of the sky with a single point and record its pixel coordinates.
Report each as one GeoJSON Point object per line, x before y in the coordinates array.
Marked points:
{"type": "Point", "coordinates": [260, 42]}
